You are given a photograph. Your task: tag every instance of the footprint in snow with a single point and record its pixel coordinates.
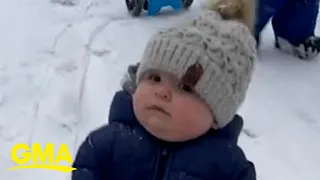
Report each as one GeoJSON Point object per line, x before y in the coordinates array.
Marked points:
{"type": "Point", "coordinates": [306, 117]}
{"type": "Point", "coordinates": [68, 67]}
{"type": "Point", "coordinates": [8, 134]}
{"type": "Point", "coordinates": [249, 133]}
{"type": "Point", "coordinates": [64, 2]}
{"type": "Point", "coordinates": [67, 127]}
{"type": "Point", "coordinates": [100, 53]}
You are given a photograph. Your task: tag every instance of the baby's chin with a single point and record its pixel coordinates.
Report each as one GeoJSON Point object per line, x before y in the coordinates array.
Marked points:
{"type": "Point", "coordinates": [164, 130]}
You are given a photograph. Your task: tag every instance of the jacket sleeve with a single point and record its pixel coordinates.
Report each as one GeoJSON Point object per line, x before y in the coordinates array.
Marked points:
{"type": "Point", "coordinates": [93, 155]}
{"type": "Point", "coordinates": [242, 169]}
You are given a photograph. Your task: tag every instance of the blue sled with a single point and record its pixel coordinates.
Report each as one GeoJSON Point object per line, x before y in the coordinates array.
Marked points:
{"type": "Point", "coordinates": [154, 6]}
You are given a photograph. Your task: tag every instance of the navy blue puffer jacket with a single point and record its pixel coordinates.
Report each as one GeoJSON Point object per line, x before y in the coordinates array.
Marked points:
{"type": "Point", "coordinates": [123, 150]}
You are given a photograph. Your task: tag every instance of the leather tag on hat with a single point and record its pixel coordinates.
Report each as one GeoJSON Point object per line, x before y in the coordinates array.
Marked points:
{"type": "Point", "coordinates": [193, 74]}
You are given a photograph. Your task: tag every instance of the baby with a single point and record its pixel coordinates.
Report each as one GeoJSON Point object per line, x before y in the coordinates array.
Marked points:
{"type": "Point", "coordinates": [175, 118]}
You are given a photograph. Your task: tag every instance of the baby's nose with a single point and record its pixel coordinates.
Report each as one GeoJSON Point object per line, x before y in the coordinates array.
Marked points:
{"type": "Point", "coordinates": [164, 92]}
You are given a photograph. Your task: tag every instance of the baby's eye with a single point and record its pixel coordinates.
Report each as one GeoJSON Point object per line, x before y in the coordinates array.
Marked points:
{"type": "Point", "coordinates": [154, 78]}
{"type": "Point", "coordinates": [186, 88]}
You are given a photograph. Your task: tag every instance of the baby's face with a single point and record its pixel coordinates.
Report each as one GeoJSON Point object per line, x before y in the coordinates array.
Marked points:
{"type": "Point", "coordinates": [170, 110]}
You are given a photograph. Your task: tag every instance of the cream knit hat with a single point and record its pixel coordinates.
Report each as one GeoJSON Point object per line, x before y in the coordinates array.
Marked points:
{"type": "Point", "coordinates": [221, 52]}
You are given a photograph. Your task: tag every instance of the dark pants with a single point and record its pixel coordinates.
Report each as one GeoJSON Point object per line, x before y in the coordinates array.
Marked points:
{"type": "Point", "coordinates": [293, 20]}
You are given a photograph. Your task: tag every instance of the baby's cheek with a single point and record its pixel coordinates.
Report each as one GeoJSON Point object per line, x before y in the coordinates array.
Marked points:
{"type": "Point", "coordinates": [186, 117]}
{"type": "Point", "coordinates": [198, 116]}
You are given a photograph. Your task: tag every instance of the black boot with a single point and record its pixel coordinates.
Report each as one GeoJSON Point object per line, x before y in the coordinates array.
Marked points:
{"type": "Point", "coordinates": [145, 5]}
{"type": "Point", "coordinates": [306, 50]}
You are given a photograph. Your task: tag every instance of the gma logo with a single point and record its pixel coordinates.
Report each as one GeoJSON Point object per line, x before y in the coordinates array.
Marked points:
{"type": "Point", "coordinates": [35, 158]}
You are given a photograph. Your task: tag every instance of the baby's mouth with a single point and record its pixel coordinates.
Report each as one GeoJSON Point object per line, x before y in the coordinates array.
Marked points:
{"type": "Point", "coordinates": [157, 108]}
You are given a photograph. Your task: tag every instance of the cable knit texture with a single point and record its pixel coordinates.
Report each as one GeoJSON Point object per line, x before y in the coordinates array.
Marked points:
{"type": "Point", "coordinates": [224, 48]}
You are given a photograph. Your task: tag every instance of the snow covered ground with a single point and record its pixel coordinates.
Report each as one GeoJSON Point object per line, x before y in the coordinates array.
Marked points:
{"type": "Point", "coordinates": [60, 66]}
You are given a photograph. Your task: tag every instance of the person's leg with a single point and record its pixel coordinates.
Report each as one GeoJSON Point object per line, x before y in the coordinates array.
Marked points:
{"type": "Point", "coordinates": [294, 26]}
{"type": "Point", "coordinates": [296, 20]}
{"type": "Point", "coordinates": [265, 10]}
